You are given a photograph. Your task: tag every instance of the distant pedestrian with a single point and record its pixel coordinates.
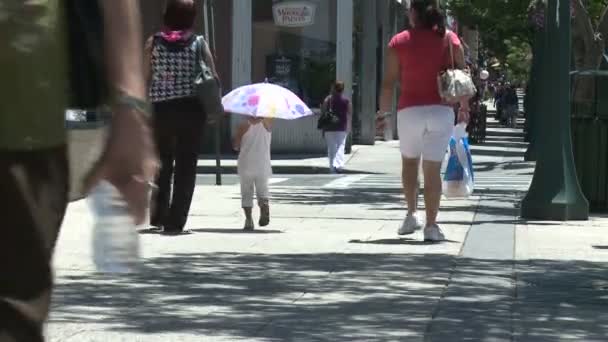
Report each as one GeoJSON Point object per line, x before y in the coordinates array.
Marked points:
{"type": "Point", "coordinates": [425, 123]}
{"type": "Point", "coordinates": [499, 102]}
{"type": "Point", "coordinates": [511, 106]}
{"type": "Point", "coordinates": [336, 135]}
{"type": "Point", "coordinates": [179, 118]}
{"type": "Point", "coordinates": [253, 141]}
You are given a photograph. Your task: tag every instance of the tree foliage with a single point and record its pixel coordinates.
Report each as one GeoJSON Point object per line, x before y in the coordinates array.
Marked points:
{"type": "Point", "coordinates": [501, 20]}
{"type": "Point", "coordinates": [496, 20]}
{"type": "Point", "coordinates": [595, 9]}
{"type": "Point", "coordinates": [506, 29]}
{"type": "Point", "coordinates": [518, 59]}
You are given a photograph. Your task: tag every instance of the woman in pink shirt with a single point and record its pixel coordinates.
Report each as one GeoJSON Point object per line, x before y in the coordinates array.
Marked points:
{"type": "Point", "coordinates": [414, 59]}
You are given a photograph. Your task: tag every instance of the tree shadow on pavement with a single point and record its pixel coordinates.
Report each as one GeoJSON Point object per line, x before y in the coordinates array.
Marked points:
{"type": "Point", "coordinates": [235, 231]}
{"type": "Point", "coordinates": [328, 196]}
{"type": "Point", "coordinates": [486, 166]}
{"type": "Point", "coordinates": [341, 297]}
{"type": "Point", "coordinates": [505, 135]}
{"type": "Point", "coordinates": [514, 143]}
{"type": "Point", "coordinates": [400, 241]}
{"type": "Point", "coordinates": [503, 201]}
{"type": "Point", "coordinates": [501, 211]}
{"type": "Point", "coordinates": [495, 153]}
{"type": "Point", "coordinates": [280, 169]}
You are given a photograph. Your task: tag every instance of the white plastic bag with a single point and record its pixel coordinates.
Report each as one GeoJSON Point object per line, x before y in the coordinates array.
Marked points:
{"type": "Point", "coordinates": [459, 179]}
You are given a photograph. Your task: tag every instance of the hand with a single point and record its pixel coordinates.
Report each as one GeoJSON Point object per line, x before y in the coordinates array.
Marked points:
{"type": "Point", "coordinates": [380, 120]}
{"type": "Point", "coordinates": [129, 161]}
{"type": "Point", "coordinates": [236, 145]}
{"type": "Point", "coordinates": [214, 119]}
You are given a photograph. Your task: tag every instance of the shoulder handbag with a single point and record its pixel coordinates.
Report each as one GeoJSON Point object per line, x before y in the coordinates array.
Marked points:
{"type": "Point", "coordinates": [206, 84]}
{"type": "Point", "coordinates": [328, 120]}
{"type": "Point", "coordinates": [89, 87]}
{"type": "Point", "coordinates": [455, 84]}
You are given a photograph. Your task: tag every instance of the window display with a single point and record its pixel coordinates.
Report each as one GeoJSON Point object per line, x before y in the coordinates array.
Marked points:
{"type": "Point", "coordinates": [294, 45]}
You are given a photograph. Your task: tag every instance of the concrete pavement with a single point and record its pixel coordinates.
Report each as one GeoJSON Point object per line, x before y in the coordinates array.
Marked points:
{"type": "Point", "coordinates": [331, 267]}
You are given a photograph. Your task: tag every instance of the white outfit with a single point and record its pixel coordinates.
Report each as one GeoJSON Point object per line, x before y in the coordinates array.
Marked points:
{"type": "Point", "coordinates": [254, 164]}
{"type": "Point", "coordinates": [425, 131]}
{"type": "Point", "coordinates": [336, 145]}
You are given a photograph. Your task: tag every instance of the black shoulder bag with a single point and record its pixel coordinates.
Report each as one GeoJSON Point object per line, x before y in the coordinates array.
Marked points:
{"type": "Point", "coordinates": [328, 120]}
{"type": "Point", "coordinates": [208, 88]}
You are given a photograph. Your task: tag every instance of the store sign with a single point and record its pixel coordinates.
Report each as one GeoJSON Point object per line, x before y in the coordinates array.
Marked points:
{"type": "Point", "coordinates": [294, 14]}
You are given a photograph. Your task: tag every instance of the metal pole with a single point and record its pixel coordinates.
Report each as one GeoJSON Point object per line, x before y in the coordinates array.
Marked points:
{"type": "Point", "coordinates": [218, 124]}
{"type": "Point", "coordinates": [209, 30]}
{"type": "Point", "coordinates": [555, 193]}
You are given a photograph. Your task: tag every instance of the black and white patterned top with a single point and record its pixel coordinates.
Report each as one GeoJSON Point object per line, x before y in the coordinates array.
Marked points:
{"type": "Point", "coordinates": [173, 70]}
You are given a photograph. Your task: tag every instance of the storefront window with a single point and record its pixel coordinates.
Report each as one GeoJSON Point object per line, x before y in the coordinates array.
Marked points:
{"type": "Point", "coordinates": [294, 45]}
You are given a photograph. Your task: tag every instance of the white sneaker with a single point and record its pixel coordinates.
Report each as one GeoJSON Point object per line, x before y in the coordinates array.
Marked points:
{"type": "Point", "coordinates": [410, 225]}
{"type": "Point", "coordinates": [433, 234]}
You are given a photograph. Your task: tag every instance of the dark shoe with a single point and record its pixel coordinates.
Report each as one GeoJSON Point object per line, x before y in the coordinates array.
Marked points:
{"type": "Point", "coordinates": [264, 215]}
{"type": "Point", "coordinates": [176, 232]}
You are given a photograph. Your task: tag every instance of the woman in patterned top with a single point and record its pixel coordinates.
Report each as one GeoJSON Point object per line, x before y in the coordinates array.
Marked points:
{"type": "Point", "coordinates": [179, 119]}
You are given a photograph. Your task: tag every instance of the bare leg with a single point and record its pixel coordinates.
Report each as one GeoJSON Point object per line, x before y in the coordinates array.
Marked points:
{"type": "Point", "coordinates": [248, 218]}
{"type": "Point", "coordinates": [263, 195]}
{"type": "Point", "coordinates": [409, 177]}
{"type": "Point", "coordinates": [432, 190]}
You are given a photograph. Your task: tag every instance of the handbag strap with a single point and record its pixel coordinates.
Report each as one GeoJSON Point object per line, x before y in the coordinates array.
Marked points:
{"type": "Point", "coordinates": [199, 48]}
{"type": "Point", "coordinates": [449, 41]}
{"type": "Point", "coordinates": [202, 47]}
{"type": "Point", "coordinates": [328, 104]}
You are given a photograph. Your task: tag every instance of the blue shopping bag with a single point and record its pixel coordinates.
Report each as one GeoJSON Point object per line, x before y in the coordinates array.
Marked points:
{"type": "Point", "coordinates": [459, 178]}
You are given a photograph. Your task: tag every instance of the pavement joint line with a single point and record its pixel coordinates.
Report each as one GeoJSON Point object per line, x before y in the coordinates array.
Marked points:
{"type": "Point", "coordinates": [351, 155]}
{"type": "Point", "coordinates": [369, 237]}
{"type": "Point", "coordinates": [74, 334]}
{"type": "Point", "coordinates": [453, 269]}
{"type": "Point", "coordinates": [514, 290]}
{"type": "Point", "coordinates": [265, 325]}
{"type": "Point", "coordinates": [329, 274]}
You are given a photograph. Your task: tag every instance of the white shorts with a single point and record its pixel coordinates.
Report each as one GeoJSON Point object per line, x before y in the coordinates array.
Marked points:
{"type": "Point", "coordinates": [425, 131]}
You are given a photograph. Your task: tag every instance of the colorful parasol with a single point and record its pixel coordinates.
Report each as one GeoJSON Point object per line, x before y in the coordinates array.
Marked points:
{"type": "Point", "coordinates": [266, 100]}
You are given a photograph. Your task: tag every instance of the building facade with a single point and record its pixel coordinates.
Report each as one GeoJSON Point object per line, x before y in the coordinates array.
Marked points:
{"type": "Point", "coordinates": [303, 45]}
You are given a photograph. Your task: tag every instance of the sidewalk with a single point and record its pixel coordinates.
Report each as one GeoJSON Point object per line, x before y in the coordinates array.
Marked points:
{"type": "Point", "coordinates": [331, 267]}
{"type": "Point", "coordinates": [281, 163]}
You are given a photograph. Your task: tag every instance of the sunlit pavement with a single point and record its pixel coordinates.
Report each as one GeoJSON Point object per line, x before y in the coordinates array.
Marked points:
{"type": "Point", "coordinates": [331, 267]}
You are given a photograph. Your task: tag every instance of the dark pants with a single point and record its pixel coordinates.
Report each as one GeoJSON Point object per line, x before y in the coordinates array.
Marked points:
{"type": "Point", "coordinates": [34, 196]}
{"type": "Point", "coordinates": [178, 128]}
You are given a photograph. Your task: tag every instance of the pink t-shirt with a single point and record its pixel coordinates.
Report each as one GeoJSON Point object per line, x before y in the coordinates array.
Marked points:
{"type": "Point", "coordinates": [423, 54]}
